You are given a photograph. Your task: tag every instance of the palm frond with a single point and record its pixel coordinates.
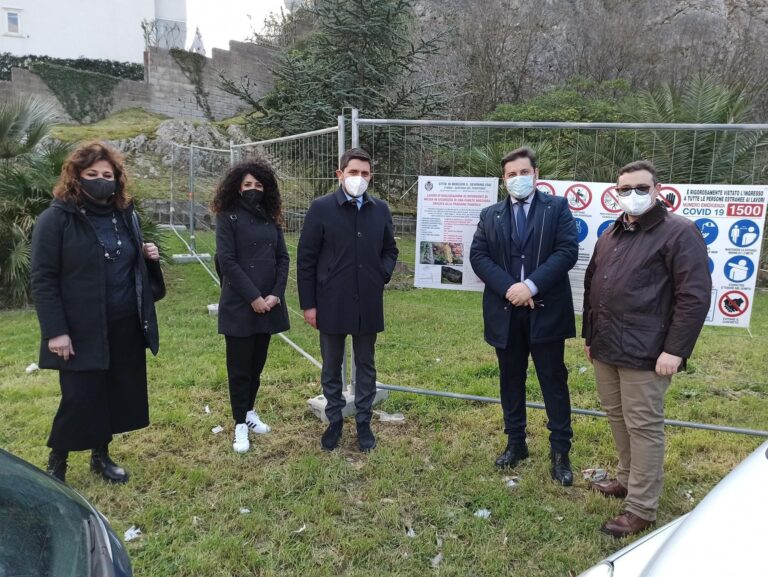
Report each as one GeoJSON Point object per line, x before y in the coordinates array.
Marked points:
{"type": "Point", "coordinates": [23, 124]}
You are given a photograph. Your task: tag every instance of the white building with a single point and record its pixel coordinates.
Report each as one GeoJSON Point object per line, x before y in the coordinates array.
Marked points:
{"type": "Point", "coordinates": [109, 30]}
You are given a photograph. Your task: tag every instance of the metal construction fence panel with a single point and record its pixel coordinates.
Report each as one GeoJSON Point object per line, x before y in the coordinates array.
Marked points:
{"type": "Point", "coordinates": [403, 150]}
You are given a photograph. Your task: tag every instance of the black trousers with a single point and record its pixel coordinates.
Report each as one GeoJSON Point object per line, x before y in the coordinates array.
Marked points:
{"type": "Point", "coordinates": [548, 358]}
{"type": "Point", "coordinates": [246, 357]}
{"type": "Point", "coordinates": [97, 404]}
{"type": "Point", "coordinates": [332, 349]}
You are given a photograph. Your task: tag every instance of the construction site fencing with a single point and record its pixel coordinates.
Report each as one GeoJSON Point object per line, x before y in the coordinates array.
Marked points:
{"type": "Point", "coordinates": [403, 150]}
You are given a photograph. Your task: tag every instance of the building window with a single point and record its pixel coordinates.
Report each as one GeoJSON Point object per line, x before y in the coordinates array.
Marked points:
{"type": "Point", "coordinates": [13, 22]}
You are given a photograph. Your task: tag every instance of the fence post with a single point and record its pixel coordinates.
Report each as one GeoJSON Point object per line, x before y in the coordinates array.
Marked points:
{"type": "Point", "coordinates": [342, 136]}
{"type": "Point", "coordinates": [192, 197]}
{"type": "Point", "coordinates": [355, 130]}
{"type": "Point", "coordinates": [232, 153]}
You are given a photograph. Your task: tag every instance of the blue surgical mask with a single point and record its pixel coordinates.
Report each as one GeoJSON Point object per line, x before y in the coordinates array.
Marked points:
{"type": "Point", "coordinates": [520, 187]}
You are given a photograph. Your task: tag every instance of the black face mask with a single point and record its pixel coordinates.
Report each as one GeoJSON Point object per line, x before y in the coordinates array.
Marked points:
{"type": "Point", "coordinates": [99, 189]}
{"type": "Point", "coordinates": [252, 197]}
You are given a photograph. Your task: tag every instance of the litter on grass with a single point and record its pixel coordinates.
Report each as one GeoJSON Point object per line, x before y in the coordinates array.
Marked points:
{"type": "Point", "coordinates": [300, 529]}
{"type": "Point", "coordinates": [31, 368]}
{"type": "Point", "coordinates": [512, 482]}
{"type": "Point", "coordinates": [244, 511]}
{"type": "Point", "coordinates": [594, 475]}
{"type": "Point", "coordinates": [133, 533]}
{"type": "Point", "coordinates": [483, 514]}
{"type": "Point", "coordinates": [217, 429]}
{"type": "Point", "coordinates": [387, 418]}
{"type": "Point", "coordinates": [207, 410]}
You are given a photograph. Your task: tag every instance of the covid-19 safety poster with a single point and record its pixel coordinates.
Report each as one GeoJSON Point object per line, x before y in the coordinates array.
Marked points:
{"type": "Point", "coordinates": [730, 219]}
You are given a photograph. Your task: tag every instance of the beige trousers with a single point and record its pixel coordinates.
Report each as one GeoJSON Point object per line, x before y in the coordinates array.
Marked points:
{"type": "Point", "coordinates": [634, 401]}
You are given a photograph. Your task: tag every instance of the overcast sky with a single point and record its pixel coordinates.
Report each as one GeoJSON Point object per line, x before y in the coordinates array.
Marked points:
{"type": "Point", "coordinates": [224, 20]}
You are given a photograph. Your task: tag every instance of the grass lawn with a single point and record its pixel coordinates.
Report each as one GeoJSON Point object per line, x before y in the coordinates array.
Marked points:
{"type": "Point", "coordinates": [124, 124]}
{"type": "Point", "coordinates": [346, 513]}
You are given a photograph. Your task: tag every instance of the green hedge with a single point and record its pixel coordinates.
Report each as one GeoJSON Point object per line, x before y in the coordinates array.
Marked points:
{"type": "Point", "coordinates": [126, 70]}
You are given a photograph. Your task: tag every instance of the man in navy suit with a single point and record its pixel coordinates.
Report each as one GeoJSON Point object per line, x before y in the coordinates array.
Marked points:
{"type": "Point", "coordinates": [346, 255]}
{"type": "Point", "coordinates": [523, 248]}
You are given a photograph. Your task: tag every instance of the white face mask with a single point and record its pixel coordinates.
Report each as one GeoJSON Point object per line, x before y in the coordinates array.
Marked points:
{"type": "Point", "coordinates": [520, 187]}
{"type": "Point", "coordinates": [636, 204]}
{"type": "Point", "coordinates": [355, 186]}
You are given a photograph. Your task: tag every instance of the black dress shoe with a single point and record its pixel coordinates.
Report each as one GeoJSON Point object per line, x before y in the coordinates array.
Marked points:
{"type": "Point", "coordinates": [561, 469]}
{"type": "Point", "coordinates": [365, 439]}
{"type": "Point", "coordinates": [57, 464]}
{"type": "Point", "coordinates": [105, 467]}
{"type": "Point", "coordinates": [512, 455]}
{"type": "Point", "coordinates": [332, 436]}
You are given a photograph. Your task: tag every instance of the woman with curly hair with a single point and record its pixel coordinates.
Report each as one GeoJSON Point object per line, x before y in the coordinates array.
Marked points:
{"type": "Point", "coordinates": [95, 307]}
{"type": "Point", "coordinates": [252, 260]}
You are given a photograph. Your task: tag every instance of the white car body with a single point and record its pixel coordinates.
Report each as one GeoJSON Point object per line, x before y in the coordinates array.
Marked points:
{"type": "Point", "coordinates": [725, 535]}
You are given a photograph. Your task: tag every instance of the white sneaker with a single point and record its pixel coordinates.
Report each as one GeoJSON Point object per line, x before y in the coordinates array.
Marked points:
{"type": "Point", "coordinates": [255, 424]}
{"type": "Point", "coordinates": [241, 444]}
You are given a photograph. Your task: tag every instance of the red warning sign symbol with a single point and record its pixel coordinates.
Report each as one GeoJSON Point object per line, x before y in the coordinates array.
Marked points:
{"type": "Point", "coordinates": [610, 200]}
{"type": "Point", "coordinates": [670, 197]}
{"type": "Point", "coordinates": [578, 196]}
{"type": "Point", "coordinates": [546, 187]}
{"type": "Point", "coordinates": [733, 304]}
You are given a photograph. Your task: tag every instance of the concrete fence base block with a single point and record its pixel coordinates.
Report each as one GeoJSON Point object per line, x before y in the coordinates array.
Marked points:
{"type": "Point", "coordinates": [180, 227]}
{"type": "Point", "coordinates": [317, 404]}
{"type": "Point", "coordinates": [190, 258]}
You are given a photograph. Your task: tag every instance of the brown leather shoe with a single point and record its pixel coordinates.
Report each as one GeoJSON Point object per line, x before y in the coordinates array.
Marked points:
{"type": "Point", "coordinates": [625, 524]}
{"type": "Point", "coordinates": [610, 488]}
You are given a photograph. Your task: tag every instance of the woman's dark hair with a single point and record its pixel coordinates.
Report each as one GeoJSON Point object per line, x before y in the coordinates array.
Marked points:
{"type": "Point", "coordinates": [68, 188]}
{"type": "Point", "coordinates": [227, 194]}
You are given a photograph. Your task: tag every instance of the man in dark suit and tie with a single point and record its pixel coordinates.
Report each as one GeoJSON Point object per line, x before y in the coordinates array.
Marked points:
{"type": "Point", "coordinates": [523, 248]}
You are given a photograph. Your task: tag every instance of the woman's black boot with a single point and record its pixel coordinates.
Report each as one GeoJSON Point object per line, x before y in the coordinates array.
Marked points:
{"type": "Point", "coordinates": [102, 465]}
{"type": "Point", "coordinates": [57, 464]}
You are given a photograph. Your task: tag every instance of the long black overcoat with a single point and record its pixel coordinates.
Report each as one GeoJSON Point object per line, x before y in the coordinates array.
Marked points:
{"type": "Point", "coordinates": [345, 257]}
{"type": "Point", "coordinates": [253, 260]}
{"type": "Point", "coordinates": [553, 251]}
{"type": "Point", "coordinates": [69, 288]}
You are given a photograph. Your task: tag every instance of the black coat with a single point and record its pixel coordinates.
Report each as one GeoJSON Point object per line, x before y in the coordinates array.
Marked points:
{"type": "Point", "coordinates": [253, 261]}
{"type": "Point", "coordinates": [69, 288]}
{"type": "Point", "coordinates": [345, 257]}
{"type": "Point", "coordinates": [551, 232]}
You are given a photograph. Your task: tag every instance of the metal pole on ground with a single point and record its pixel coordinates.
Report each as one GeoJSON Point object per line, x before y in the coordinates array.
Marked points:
{"type": "Point", "coordinates": [192, 198]}
{"type": "Point", "coordinates": [355, 129]}
{"type": "Point", "coordinates": [342, 136]}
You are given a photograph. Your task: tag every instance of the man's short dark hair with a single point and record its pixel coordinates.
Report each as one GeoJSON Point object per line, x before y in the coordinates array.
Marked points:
{"type": "Point", "coordinates": [354, 154]}
{"type": "Point", "coordinates": [523, 152]}
{"type": "Point", "coordinates": [639, 165]}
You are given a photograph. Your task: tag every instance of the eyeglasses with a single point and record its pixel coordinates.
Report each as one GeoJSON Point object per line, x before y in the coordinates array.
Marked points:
{"type": "Point", "coordinates": [640, 189]}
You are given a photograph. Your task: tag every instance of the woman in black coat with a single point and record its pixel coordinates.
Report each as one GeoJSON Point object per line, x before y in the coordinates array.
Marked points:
{"type": "Point", "coordinates": [253, 264]}
{"type": "Point", "coordinates": [95, 307]}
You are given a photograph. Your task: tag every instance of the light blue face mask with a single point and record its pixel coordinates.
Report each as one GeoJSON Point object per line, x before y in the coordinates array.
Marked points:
{"type": "Point", "coordinates": [521, 186]}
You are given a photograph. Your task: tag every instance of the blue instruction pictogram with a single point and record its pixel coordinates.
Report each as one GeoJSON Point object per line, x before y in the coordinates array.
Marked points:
{"type": "Point", "coordinates": [739, 268]}
{"type": "Point", "coordinates": [603, 227]}
{"type": "Point", "coordinates": [708, 229]}
{"type": "Point", "coordinates": [744, 233]}
{"type": "Point", "coordinates": [582, 229]}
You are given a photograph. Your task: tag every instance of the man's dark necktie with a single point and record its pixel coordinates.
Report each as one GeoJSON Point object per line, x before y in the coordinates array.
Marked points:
{"type": "Point", "coordinates": [520, 223]}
